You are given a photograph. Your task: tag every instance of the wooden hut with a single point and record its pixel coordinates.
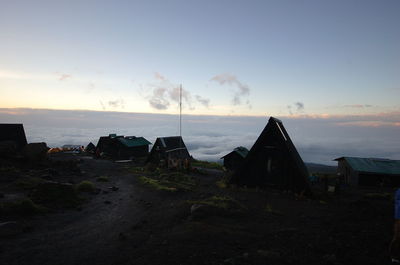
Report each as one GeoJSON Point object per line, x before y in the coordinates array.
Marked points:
{"type": "Point", "coordinates": [170, 150]}
{"type": "Point", "coordinates": [13, 135]}
{"type": "Point", "coordinates": [273, 161]}
{"type": "Point", "coordinates": [120, 147]}
{"type": "Point", "coordinates": [357, 171]}
{"type": "Point", "coordinates": [234, 159]}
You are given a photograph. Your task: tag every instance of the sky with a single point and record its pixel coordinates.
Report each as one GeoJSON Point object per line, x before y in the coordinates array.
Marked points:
{"type": "Point", "coordinates": [319, 65]}
{"type": "Point", "coordinates": [231, 57]}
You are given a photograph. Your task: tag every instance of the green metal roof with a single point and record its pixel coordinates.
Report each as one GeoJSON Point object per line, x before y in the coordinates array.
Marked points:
{"type": "Point", "coordinates": [133, 141]}
{"type": "Point", "coordinates": [242, 151]}
{"type": "Point", "coordinates": [373, 165]}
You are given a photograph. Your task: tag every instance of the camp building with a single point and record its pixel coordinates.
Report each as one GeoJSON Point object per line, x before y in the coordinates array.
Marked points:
{"type": "Point", "coordinates": [13, 134]}
{"type": "Point", "coordinates": [357, 171]}
{"type": "Point", "coordinates": [273, 161]}
{"type": "Point", "coordinates": [122, 147]}
{"type": "Point", "coordinates": [234, 159]}
{"type": "Point", "coordinates": [168, 148]}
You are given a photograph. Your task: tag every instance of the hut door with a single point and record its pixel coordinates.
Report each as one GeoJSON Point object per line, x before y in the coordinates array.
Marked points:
{"type": "Point", "coordinates": [273, 167]}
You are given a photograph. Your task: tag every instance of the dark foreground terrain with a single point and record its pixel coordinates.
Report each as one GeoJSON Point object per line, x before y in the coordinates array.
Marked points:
{"type": "Point", "coordinates": [128, 219]}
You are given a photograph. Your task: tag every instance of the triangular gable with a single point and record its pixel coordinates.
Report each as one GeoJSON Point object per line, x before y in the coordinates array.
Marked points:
{"type": "Point", "coordinates": [274, 160]}
{"type": "Point", "coordinates": [13, 132]}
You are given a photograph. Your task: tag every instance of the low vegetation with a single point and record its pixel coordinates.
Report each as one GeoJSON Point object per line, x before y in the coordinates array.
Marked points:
{"type": "Point", "coordinates": [86, 186]}
{"type": "Point", "coordinates": [269, 209]}
{"type": "Point", "coordinates": [172, 181]}
{"type": "Point", "coordinates": [206, 164]}
{"type": "Point", "coordinates": [379, 196]}
{"type": "Point", "coordinates": [221, 202]}
{"type": "Point", "coordinates": [103, 179]}
{"type": "Point", "coordinates": [29, 183]}
{"type": "Point", "coordinates": [21, 207]}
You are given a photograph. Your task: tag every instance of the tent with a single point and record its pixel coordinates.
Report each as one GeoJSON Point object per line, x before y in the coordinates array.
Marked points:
{"type": "Point", "coordinates": [273, 161]}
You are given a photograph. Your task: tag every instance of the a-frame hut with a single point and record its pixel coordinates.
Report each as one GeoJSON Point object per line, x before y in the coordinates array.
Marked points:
{"type": "Point", "coordinates": [273, 161]}
{"type": "Point", "coordinates": [167, 148]}
{"type": "Point", "coordinates": [14, 134]}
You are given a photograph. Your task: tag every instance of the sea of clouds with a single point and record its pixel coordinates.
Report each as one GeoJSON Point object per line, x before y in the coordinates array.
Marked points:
{"type": "Point", "coordinates": [318, 140]}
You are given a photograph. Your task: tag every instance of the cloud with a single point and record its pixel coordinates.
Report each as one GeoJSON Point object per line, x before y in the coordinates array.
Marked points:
{"type": "Point", "coordinates": [164, 93]}
{"type": "Point", "coordinates": [358, 106]}
{"type": "Point", "coordinates": [203, 101]}
{"type": "Point", "coordinates": [64, 77]}
{"type": "Point", "coordinates": [118, 103]}
{"type": "Point", "coordinates": [318, 138]}
{"type": "Point", "coordinates": [299, 106]}
{"type": "Point", "coordinates": [103, 107]}
{"type": "Point", "coordinates": [229, 79]}
{"type": "Point", "coordinates": [159, 76]}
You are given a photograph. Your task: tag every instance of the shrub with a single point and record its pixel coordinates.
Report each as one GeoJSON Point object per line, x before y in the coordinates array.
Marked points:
{"type": "Point", "coordinates": [86, 186]}
{"type": "Point", "coordinates": [23, 207]}
{"type": "Point", "coordinates": [103, 179]}
{"type": "Point", "coordinates": [28, 183]}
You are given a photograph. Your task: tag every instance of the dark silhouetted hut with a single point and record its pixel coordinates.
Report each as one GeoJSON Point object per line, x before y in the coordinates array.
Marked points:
{"type": "Point", "coordinates": [234, 159]}
{"type": "Point", "coordinates": [13, 134]}
{"type": "Point", "coordinates": [90, 148]}
{"type": "Point", "coordinates": [167, 148]}
{"type": "Point", "coordinates": [273, 161]}
{"type": "Point", "coordinates": [120, 147]}
{"type": "Point", "coordinates": [357, 171]}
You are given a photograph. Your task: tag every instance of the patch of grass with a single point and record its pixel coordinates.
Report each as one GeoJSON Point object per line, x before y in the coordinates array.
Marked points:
{"type": "Point", "coordinates": [136, 170]}
{"type": "Point", "coordinates": [155, 184]}
{"type": "Point", "coordinates": [22, 207]}
{"type": "Point", "coordinates": [55, 195]}
{"type": "Point", "coordinates": [206, 164]}
{"type": "Point", "coordinates": [224, 182]}
{"type": "Point", "coordinates": [221, 202]}
{"type": "Point", "coordinates": [8, 169]}
{"type": "Point", "coordinates": [103, 179]}
{"type": "Point", "coordinates": [86, 186]}
{"type": "Point", "coordinates": [269, 209]}
{"type": "Point", "coordinates": [379, 196]}
{"type": "Point", "coordinates": [173, 181]}
{"type": "Point", "coordinates": [29, 183]}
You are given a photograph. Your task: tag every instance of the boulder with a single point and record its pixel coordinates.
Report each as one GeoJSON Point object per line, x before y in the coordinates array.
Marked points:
{"type": "Point", "coordinates": [9, 229]}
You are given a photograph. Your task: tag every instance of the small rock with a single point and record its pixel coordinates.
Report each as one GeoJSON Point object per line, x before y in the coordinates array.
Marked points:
{"type": "Point", "coordinates": [105, 192]}
{"type": "Point", "coordinates": [8, 229]}
{"type": "Point", "coordinates": [122, 236]}
{"type": "Point", "coordinates": [2, 195]}
{"type": "Point", "coordinates": [113, 188]}
{"type": "Point", "coordinates": [107, 202]}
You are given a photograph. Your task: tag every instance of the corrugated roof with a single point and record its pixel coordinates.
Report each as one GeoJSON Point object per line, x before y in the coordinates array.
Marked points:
{"type": "Point", "coordinates": [373, 165]}
{"type": "Point", "coordinates": [242, 151]}
{"type": "Point", "coordinates": [133, 141]}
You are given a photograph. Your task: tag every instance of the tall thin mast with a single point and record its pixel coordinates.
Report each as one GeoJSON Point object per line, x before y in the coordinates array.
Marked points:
{"type": "Point", "coordinates": [180, 110]}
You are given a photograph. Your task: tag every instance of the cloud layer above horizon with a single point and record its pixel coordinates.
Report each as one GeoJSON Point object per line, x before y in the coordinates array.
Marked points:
{"type": "Point", "coordinates": [318, 139]}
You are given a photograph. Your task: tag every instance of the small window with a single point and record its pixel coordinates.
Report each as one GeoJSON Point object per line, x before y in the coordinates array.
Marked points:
{"type": "Point", "coordinates": [269, 164]}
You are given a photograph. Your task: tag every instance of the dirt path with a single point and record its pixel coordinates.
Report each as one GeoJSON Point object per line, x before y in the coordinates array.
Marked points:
{"type": "Point", "coordinates": [92, 235]}
{"type": "Point", "coordinates": [138, 225]}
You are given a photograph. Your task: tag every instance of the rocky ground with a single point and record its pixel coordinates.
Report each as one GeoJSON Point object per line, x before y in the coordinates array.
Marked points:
{"type": "Point", "coordinates": [128, 214]}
